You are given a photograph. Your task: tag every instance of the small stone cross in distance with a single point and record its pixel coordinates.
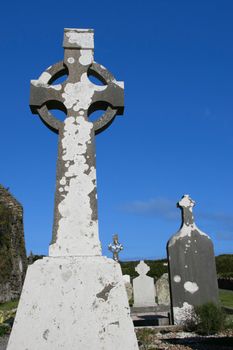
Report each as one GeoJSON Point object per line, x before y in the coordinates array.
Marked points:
{"type": "Point", "coordinates": [115, 247]}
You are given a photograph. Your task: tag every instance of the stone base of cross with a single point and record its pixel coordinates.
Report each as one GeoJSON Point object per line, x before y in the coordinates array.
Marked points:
{"type": "Point", "coordinates": [73, 303]}
{"type": "Point", "coordinates": [75, 299]}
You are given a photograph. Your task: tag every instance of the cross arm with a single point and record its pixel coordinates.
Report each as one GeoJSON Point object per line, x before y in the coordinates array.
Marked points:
{"type": "Point", "coordinates": [44, 96]}
{"type": "Point", "coordinates": [111, 98]}
{"type": "Point", "coordinates": [113, 94]}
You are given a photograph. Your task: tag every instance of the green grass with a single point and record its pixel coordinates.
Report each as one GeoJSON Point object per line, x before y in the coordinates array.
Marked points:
{"type": "Point", "coordinates": [4, 330]}
{"type": "Point", "coordinates": [226, 297]}
{"type": "Point", "coordinates": [9, 305]}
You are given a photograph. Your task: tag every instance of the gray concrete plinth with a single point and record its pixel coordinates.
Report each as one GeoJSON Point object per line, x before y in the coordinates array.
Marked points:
{"type": "Point", "coordinates": [80, 296]}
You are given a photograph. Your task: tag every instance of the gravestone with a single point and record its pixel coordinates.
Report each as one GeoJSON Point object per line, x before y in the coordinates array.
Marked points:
{"type": "Point", "coordinates": [126, 278]}
{"type": "Point", "coordinates": [128, 286]}
{"type": "Point", "coordinates": [143, 287]}
{"type": "Point", "coordinates": [13, 258]}
{"type": "Point", "coordinates": [162, 290]}
{"type": "Point", "coordinates": [115, 247]}
{"type": "Point", "coordinates": [75, 298]}
{"type": "Point", "coordinates": [192, 271]}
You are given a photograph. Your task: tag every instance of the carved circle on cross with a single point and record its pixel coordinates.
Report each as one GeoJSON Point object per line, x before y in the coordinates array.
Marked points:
{"type": "Point", "coordinates": [142, 268]}
{"type": "Point", "coordinates": [39, 105]}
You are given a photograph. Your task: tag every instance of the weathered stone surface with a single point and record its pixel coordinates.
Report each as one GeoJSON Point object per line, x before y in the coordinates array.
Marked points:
{"type": "Point", "coordinates": [192, 271]}
{"type": "Point", "coordinates": [162, 290]}
{"type": "Point", "coordinates": [128, 286]}
{"type": "Point", "coordinates": [13, 259]}
{"type": "Point", "coordinates": [73, 303]}
{"type": "Point", "coordinates": [126, 278]}
{"type": "Point", "coordinates": [75, 299]}
{"type": "Point", "coordinates": [143, 287]}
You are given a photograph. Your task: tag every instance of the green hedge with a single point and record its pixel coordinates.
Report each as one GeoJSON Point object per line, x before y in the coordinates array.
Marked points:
{"type": "Point", "coordinates": [157, 268]}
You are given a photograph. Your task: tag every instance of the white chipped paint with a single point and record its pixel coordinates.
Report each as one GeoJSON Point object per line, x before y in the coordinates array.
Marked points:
{"type": "Point", "coordinates": [77, 233]}
{"type": "Point", "coordinates": [79, 30]}
{"type": "Point", "coordinates": [44, 78]}
{"type": "Point", "coordinates": [55, 87]}
{"type": "Point", "coordinates": [86, 57]}
{"type": "Point", "coordinates": [67, 291]}
{"type": "Point", "coordinates": [186, 231]}
{"type": "Point", "coordinates": [70, 60]}
{"type": "Point", "coordinates": [186, 266]}
{"type": "Point", "coordinates": [63, 180]}
{"type": "Point", "coordinates": [119, 83]}
{"type": "Point", "coordinates": [191, 287]}
{"type": "Point", "coordinates": [83, 40]}
{"type": "Point", "coordinates": [177, 279]}
{"type": "Point", "coordinates": [186, 201]}
{"type": "Point", "coordinates": [79, 95]}
{"type": "Point", "coordinates": [183, 314]}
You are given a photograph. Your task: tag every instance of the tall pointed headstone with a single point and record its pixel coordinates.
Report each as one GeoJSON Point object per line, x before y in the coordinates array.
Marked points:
{"type": "Point", "coordinates": [75, 298]}
{"type": "Point", "coordinates": [192, 270]}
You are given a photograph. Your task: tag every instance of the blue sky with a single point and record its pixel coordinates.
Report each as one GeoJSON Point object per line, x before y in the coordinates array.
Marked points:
{"type": "Point", "coordinates": [176, 59]}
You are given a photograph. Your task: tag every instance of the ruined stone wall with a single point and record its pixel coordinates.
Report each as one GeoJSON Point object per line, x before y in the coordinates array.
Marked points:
{"type": "Point", "coordinates": [13, 259]}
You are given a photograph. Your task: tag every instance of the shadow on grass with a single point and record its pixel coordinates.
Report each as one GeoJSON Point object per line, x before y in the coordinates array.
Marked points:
{"type": "Point", "coordinates": [198, 343]}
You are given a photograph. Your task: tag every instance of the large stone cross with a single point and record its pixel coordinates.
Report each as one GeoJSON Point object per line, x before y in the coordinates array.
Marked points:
{"type": "Point", "coordinates": [75, 229]}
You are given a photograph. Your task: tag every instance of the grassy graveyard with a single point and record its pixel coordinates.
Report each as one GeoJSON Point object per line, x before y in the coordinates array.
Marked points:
{"type": "Point", "coordinates": [151, 339]}
{"type": "Point", "coordinates": [224, 265]}
{"type": "Point", "coordinates": [226, 297]}
{"type": "Point", "coordinates": [7, 314]}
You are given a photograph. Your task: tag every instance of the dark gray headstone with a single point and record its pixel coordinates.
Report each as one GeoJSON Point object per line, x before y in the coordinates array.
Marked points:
{"type": "Point", "coordinates": [192, 270]}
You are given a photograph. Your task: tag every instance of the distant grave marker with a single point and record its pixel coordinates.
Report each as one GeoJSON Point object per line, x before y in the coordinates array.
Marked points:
{"type": "Point", "coordinates": [115, 247]}
{"type": "Point", "coordinates": [162, 290]}
{"type": "Point", "coordinates": [143, 287]}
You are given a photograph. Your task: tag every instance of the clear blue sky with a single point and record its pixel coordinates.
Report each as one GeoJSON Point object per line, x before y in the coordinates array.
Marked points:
{"type": "Point", "coordinates": [176, 58]}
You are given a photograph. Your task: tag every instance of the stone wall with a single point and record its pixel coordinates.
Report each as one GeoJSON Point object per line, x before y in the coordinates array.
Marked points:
{"type": "Point", "coordinates": [13, 259]}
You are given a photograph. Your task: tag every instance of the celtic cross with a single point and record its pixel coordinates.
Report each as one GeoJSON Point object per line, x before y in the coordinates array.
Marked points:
{"type": "Point", "coordinates": [75, 228]}
{"type": "Point", "coordinates": [115, 247]}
